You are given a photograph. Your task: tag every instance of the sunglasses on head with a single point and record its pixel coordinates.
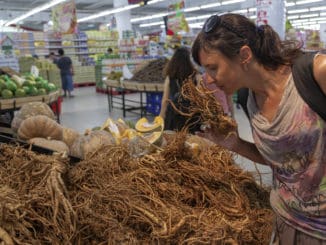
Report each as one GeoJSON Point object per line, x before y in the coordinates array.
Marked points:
{"type": "Point", "coordinates": [214, 21]}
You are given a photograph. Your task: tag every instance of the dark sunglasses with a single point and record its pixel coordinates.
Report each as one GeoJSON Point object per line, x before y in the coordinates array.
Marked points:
{"type": "Point", "coordinates": [214, 21]}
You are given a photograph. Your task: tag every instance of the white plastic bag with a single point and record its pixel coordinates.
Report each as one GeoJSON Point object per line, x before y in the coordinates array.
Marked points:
{"type": "Point", "coordinates": [34, 71]}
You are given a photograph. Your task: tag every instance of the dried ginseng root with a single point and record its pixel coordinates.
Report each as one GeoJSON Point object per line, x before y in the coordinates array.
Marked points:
{"type": "Point", "coordinates": [201, 102]}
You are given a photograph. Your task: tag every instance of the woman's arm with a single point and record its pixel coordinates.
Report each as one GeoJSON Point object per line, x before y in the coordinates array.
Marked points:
{"type": "Point", "coordinates": [234, 143]}
{"type": "Point", "coordinates": [165, 97]}
{"type": "Point", "coordinates": [250, 151]}
{"type": "Point", "coordinates": [320, 71]}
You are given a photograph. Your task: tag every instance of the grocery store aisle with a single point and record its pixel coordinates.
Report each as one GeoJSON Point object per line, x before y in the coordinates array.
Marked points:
{"type": "Point", "coordinates": [89, 109]}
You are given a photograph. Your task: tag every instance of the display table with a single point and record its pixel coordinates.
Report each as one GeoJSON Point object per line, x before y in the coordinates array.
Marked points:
{"type": "Point", "coordinates": [11, 105]}
{"type": "Point", "coordinates": [131, 105]}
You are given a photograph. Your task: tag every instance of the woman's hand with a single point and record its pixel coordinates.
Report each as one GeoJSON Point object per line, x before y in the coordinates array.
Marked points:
{"type": "Point", "coordinates": [234, 143]}
{"type": "Point", "coordinates": [229, 141]}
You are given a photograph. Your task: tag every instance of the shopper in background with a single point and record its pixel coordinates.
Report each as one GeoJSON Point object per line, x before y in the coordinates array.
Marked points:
{"type": "Point", "coordinates": [67, 71]}
{"type": "Point", "coordinates": [289, 136]}
{"type": "Point", "coordinates": [110, 51]}
{"type": "Point", "coordinates": [175, 72]}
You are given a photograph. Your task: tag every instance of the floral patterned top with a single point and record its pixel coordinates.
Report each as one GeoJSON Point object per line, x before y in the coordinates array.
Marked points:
{"type": "Point", "coordinates": [294, 145]}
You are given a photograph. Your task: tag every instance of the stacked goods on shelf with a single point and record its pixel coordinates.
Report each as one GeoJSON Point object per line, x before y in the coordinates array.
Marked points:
{"type": "Point", "coordinates": [99, 41]}
{"type": "Point", "coordinates": [141, 47]}
{"type": "Point", "coordinates": [24, 43]}
{"type": "Point", "coordinates": [53, 42]}
{"type": "Point", "coordinates": [98, 78]}
{"type": "Point", "coordinates": [25, 64]}
{"type": "Point", "coordinates": [127, 46]}
{"type": "Point", "coordinates": [75, 46]}
{"type": "Point", "coordinates": [41, 43]}
{"type": "Point", "coordinates": [9, 61]}
{"type": "Point", "coordinates": [84, 75]}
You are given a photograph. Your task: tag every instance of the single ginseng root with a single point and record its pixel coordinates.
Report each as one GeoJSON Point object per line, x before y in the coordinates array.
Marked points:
{"type": "Point", "coordinates": [202, 104]}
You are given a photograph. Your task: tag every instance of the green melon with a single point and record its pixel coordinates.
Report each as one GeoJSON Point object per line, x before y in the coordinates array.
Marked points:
{"type": "Point", "coordinates": [40, 84]}
{"type": "Point", "coordinates": [41, 91]}
{"type": "Point", "coordinates": [20, 92]}
{"type": "Point", "coordinates": [2, 84]}
{"type": "Point", "coordinates": [33, 91]}
{"type": "Point", "coordinates": [50, 87]}
{"type": "Point", "coordinates": [7, 94]}
{"type": "Point", "coordinates": [11, 86]}
{"type": "Point", "coordinates": [29, 83]}
{"type": "Point", "coordinates": [26, 89]}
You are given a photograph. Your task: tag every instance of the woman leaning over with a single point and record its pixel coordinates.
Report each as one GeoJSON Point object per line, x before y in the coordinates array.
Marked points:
{"type": "Point", "coordinates": [288, 135]}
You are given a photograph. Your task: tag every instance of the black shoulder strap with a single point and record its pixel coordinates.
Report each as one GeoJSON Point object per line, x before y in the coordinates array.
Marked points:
{"type": "Point", "coordinates": [308, 88]}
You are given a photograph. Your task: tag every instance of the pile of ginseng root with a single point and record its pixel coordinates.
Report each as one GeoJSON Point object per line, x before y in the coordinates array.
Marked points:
{"type": "Point", "coordinates": [169, 197]}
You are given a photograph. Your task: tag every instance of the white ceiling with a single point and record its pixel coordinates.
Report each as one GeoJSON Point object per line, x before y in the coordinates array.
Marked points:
{"type": "Point", "coordinates": [10, 9]}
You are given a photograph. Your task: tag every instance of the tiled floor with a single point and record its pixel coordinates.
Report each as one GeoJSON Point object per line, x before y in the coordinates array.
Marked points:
{"type": "Point", "coordinates": [89, 109]}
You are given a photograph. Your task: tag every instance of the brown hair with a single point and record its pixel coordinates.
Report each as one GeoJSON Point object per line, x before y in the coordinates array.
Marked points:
{"type": "Point", "coordinates": [264, 42]}
{"type": "Point", "coordinates": [179, 66]}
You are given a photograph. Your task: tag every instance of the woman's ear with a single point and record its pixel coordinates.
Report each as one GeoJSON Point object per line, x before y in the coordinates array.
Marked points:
{"type": "Point", "coordinates": [245, 54]}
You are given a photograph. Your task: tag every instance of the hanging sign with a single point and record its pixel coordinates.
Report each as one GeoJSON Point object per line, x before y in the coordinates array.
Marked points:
{"type": "Point", "coordinates": [272, 12]}
{"type": "Point", "coordinates": [64, 17]}
{"type": "Point", "coordinates": [176, 21]}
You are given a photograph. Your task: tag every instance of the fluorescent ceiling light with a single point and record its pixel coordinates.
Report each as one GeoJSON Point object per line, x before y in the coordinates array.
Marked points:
{"type": "Point", "coordinates": [318, 19]}
{"type": "Point", "coordinates": [295, 11]}
{"type": "Point", "coordinates": [34, 11]}
{"type": "Point", "coordinates": [191, 9]}
{"type": "Point", "coordinates": [308, 15]}
{"type": "Point", "coordinates": [206, 16]}
{"type": "Point", "coordinates": [289, 4]}
{"type": "Point", "coordinates": [211, 5]}
{"type": "Point", "coordinates": [244, 11]}
{"type": "Point", "coordinates": [318, 8]}
{"type": "Point", "coordinates": [108, 12]}
{"type": "Point", "coordinates": [231, 2]}
{"type": "Point", "coordinates": [196, 25]}
{"type": "Point", "coordinates": [148, 17]}
{"type": "Point", "coordinates": [152, 24]}
{"type": "Point", "coordinates": [293, 17]}
{"type": "Point", "coordinates": [307, 1]}
{"type": "Point", "coordinates": [154, 1]}
{"type": "Point", "coordinates": [2, 22]}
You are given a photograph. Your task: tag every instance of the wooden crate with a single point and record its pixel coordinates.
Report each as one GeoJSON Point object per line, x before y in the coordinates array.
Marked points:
{"type": "Point", "coordinates": [15, 103]}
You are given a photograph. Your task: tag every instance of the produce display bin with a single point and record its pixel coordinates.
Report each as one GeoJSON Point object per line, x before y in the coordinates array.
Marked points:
{"type": "Point", "coordinates": [11, 105]}
{"type": "Point", "coordinates": [139, 106]}
{"type": "Point", "coordinates": [5, 139]}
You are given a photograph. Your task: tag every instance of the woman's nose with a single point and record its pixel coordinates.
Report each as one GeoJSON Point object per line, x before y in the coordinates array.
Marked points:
{"type": "Point", "coordinates": [208, 78]}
